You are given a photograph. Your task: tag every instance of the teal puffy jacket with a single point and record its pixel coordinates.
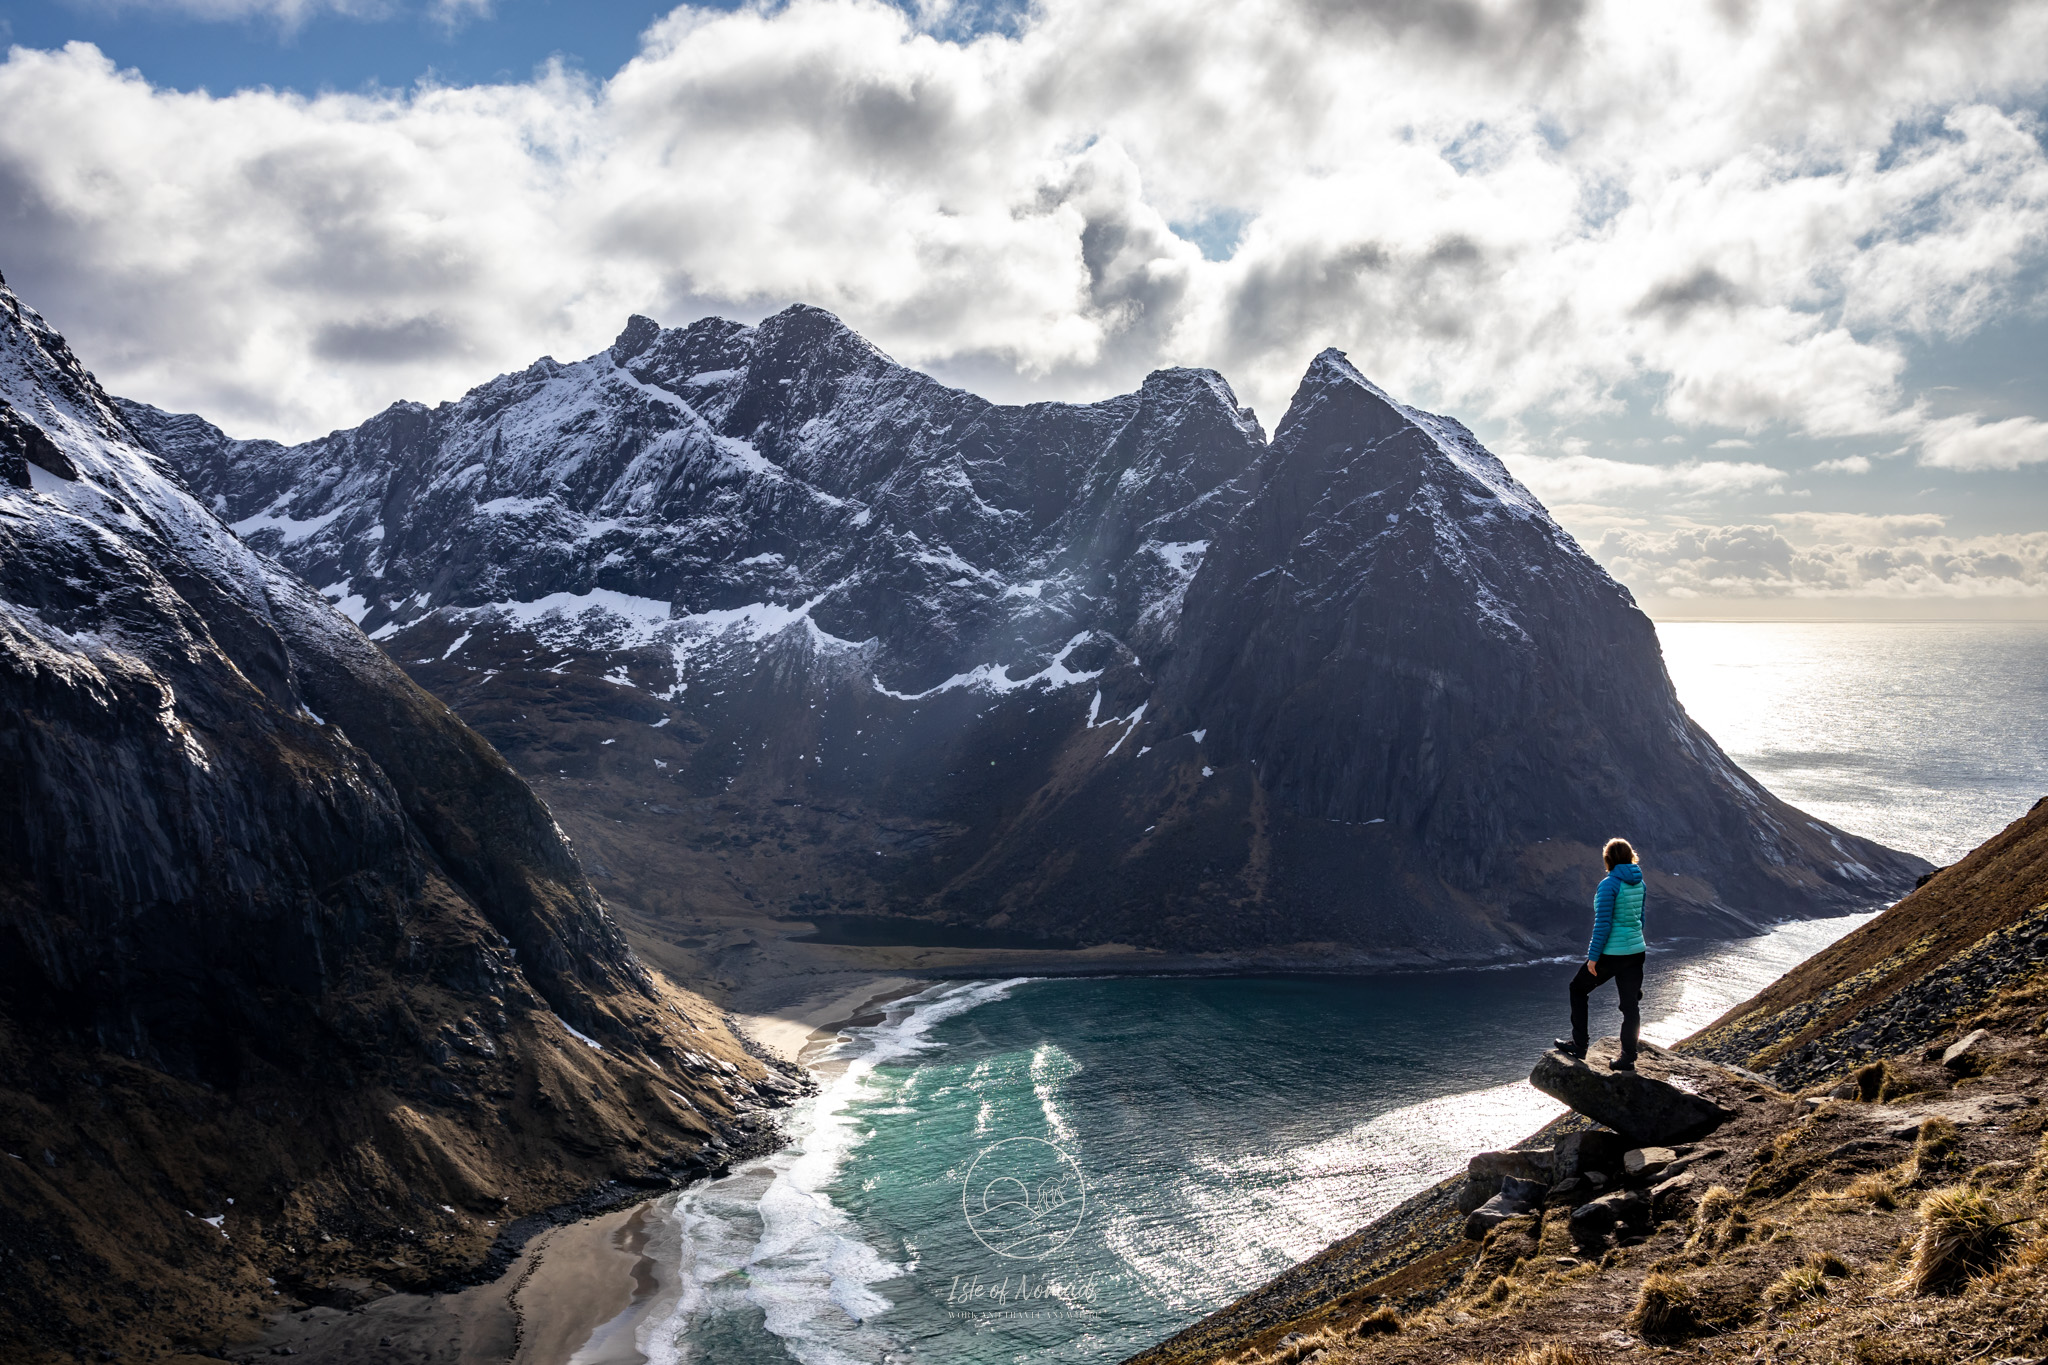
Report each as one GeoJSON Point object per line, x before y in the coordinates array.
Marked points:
{"type": "Point", "coordinates": [1618, 914]}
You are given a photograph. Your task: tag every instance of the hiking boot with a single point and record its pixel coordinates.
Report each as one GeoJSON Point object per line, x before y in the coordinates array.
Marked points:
{"type": "Point", "coordinates": [1576, 1051]}
{"type": "Point", "coordinates": [1622, 1064]}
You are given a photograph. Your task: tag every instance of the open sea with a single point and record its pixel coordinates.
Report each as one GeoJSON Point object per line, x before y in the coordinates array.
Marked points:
{"type": "Point", "coordinates": [1070, 1170]}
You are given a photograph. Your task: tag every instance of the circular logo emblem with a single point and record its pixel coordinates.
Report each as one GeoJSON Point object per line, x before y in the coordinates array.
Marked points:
{"type": "Point", "coordinates": [1023, 1198]}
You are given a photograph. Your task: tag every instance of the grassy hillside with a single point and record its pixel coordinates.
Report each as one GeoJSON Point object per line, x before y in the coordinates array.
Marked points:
{"type": "Point", "coordinates": [1869, 1203]}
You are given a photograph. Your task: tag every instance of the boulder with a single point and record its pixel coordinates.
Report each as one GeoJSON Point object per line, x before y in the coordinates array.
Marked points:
{"type": "Point", "coordinates": [1522, 1165]}
{"type": "Point", "coordinates": [1636, 1103]}
{"type": "Point", "coordinates": [1577, 1153]}
{"type": "Point", "coordinates": [1646, 1163]}
{"type": "Point", "coordinates": [1692, 1159]}
{"type": "Point", "coordinates": [1516, 1198]}
{"type": "Point", "coordinates": [1597, 1217]}
{"type": "Point", "coordinates": [1489, 1216]}
{"type": "Point", "coordinates": [1485, 1173]}
{"type": "Point", "coordinates": [1968, 1053]}
{"type": "Point", "coordinates": [1675, 1197]}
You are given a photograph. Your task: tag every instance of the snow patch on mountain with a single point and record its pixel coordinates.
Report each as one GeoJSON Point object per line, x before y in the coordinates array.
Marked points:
{"type": "Point", "coordinates": [995, 679]}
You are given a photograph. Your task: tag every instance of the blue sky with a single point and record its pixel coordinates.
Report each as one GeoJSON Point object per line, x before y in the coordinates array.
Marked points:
{"type": "Point", "coordinates": [1756, 298]}
{"type": "Point", "coordinates": [397, 46]}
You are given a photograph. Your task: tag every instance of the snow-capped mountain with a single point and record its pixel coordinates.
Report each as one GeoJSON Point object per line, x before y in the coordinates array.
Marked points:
{"type": "Point", "coordinates": [1122, 671]}
{"type": "Point", "coordinates": [285, 947]}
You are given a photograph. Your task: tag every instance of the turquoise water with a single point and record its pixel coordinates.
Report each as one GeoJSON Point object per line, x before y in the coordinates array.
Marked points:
{"type": "Point", "coordinates": [1146, 1150]}
{"type": "Point", "coordinates": [1068, 1170]}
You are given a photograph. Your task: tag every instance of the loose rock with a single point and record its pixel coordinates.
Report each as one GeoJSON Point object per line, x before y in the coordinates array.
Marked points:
{"type": "Point", "coordinates": [1645, 1163]}
{"type": "Point", "coordinates": [1630, 1102]}
{"type": "Point", "coordinates": [1968, 1054]}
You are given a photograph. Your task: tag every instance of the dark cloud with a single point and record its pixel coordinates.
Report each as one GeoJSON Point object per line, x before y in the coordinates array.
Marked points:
{"type": "Point", "coordinates": [388, 342]}
{"type": "Point", "coordinates": [1678, 297]}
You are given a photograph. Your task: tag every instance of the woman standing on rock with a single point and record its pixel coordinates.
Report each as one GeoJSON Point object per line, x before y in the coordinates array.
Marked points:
{"type": "Point", "coordinates": [1614, 954]}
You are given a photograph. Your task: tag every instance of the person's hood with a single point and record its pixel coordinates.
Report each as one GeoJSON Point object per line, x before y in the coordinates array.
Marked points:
{"type": "Point", "coordinates": [1627, 872]}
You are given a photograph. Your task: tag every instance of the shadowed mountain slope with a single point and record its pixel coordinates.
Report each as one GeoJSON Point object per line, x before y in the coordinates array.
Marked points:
{"type": "Point", "coordinates": [299, 983]}
{"type": "Point", "coordinates": [772, 617]}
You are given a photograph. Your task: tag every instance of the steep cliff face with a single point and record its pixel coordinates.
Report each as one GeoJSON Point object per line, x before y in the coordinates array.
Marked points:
{"type": "Point", "coordinates": [282, 941]}
{"type": "Point", "coordinates": [771, 616]}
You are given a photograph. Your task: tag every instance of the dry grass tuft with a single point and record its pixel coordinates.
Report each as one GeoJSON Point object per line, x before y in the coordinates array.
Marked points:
{"type": "Point", "coordinates": [1962, 1232]}
{"type": "Point", "coordinates": [2037, 1179]}
{"type": "Point", "coordinates": [1935, 1149]}
{"type": "Point", "coordinates": [1380, 1322]}
{"type": "Point", "coordinates": [1500, 1289]}
{"type": "Point", "coordinates": [1666, 1310]}
{"type": "Point", "coordinates": [1800, 1284]}
{"type": "Point", "coordinates": [1828, 1264]}
{"type": "Point", "coordinates": [1714, 1206]}
{"type": "Point", "coordinates": [1881, 1083]}
{"type": "Point", "coordinates": [1550, 1353]}
{"type": "Point", "coordinates": [1294, 1352]}
{"type": "Point", "coordinates": [1878, 1189]}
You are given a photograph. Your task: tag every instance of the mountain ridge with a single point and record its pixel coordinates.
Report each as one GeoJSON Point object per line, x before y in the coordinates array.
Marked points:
{"type": "Point", "coordinates": [301, 989]}
{"type": "Point", "coordinates": [1118, 672]}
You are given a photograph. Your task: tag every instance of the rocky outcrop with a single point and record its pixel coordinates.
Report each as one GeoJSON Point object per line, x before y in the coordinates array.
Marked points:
{"type": "Point", "coordinates": [1780, 1233]}
{"type": "Point", "coordinates": [1056, 674]}
{"type": "Point", "coordinates": [1667, 1098]}
{"type": "Point", "coordinates": [298, 981]}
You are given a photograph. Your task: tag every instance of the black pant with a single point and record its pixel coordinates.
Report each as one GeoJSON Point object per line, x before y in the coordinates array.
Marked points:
{"type": "Point", "coordinates": [1627, 975]}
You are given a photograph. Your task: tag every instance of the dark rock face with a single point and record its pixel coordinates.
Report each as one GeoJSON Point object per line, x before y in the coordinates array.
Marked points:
{"type": "Point", "coordinates": [1115, 672]}
{"type": "Point", "coordinates": [281, 939]}
{"type": "Point", "coordinates": [1640, 1105]}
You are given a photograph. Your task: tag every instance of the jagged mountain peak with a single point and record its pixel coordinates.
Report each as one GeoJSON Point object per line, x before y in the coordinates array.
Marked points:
{"type": "Point", "coordinates": [1080, 645]}
{"type": "Point", "coordinates": [1336, 403]}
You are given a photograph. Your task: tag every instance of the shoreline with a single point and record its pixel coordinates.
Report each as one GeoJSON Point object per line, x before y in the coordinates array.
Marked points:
{"type": "Point", "coordinates": [579, 1289]}
{"type": "Point", "coordinates": [790, 1015]}
{"type": "Point", "coordinates": [807, 1023]}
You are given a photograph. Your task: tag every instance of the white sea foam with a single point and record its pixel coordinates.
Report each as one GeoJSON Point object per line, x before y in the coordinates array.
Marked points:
{"type": "Point", "coordinates": [1238, 1218]}
{"type": "Point", "coordinates": [767, 1244]}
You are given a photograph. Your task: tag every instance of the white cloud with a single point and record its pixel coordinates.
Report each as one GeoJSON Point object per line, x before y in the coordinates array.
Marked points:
{"type": "Point", "coordinates": [1848, 464]}
{"type": "Point", "coordinates": [1966, 443]}
{"type": "Point", "coordinates": [1589, 479]}
{"type": "Point", "coordinates": [1821, 556]}
{"type": "Point", "coordinates": [1500, 207]}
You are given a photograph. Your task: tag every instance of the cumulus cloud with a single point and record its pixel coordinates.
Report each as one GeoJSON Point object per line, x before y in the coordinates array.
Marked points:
{"type": "Point", "coordinates": [1819, 556]}
{"type": "Point", "coordinates": [1589, 479]}
{"type": "Point", "coordinates": [1966, 443]}
{"type": "Point", "coordinates": [1506, 208]}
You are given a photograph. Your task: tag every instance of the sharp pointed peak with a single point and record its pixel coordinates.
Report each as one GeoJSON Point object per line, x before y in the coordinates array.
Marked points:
{"type": "Point", "coordinates": [1332, 366]}
{"type": "Point", "coordinates": [639, 333]}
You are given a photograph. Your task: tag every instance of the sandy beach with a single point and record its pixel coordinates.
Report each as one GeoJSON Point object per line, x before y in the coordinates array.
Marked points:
{"type": "Point", "coordinates": [578, 1291]}
{"type": "Point", "coordinates": [806, 1025]}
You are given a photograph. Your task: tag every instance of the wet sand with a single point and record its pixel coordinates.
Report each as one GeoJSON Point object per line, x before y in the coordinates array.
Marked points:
{"type": "Point", "coordinates": [570, 1286]}
{"type": "Point", "coordinates": [788, 1031]}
